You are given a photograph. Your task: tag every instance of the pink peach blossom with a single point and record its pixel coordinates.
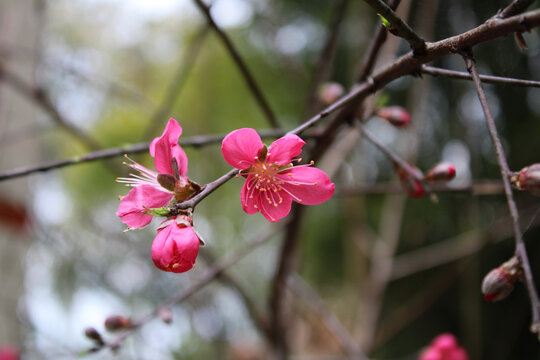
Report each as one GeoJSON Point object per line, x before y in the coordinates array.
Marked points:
{"type": "Point", "coordinates": [272, 182]}
{"type": "Point", "coordinates": [176, 246]}
{"type": "Point", "coordinates": [444, 347]}
{"type": "Point", "coordinates": [147, 192]}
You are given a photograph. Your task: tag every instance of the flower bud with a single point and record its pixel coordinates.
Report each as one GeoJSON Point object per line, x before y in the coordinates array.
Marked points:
{"type": "Point", "coordinates": [413, 187]}
{"type": "Point", "coordinates": [499, 282]}
{"type": "Point", "coordinates": [396, 115]}
{"type": "Point", "coordinates": [441, 172]}
{"type": "Point", "coordinates": [330, 92]}
{"type": "Point", "coordinates": [117, 322]}
{"type": "Point", "coordinates": [529, 179]}
{"type": "Point", "coordinates": [176, 246]}
{"type": "Point", "coordinates": [93, 334]}
{"type": "Point", "coordinates": [165, 314]}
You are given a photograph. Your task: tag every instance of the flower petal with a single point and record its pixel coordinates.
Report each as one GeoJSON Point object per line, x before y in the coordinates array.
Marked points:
{"type": "Point", "coordinates": [275, 211]}
{"type": "Point", "coordinates": [137, 200]}
{"type": "Point", "coordinates": [166, 147]}
{"type": "Point", "coordinates": [240, 148]}
{"type": "Point", "coordinates": [307, 185]}
{"type": "Point", "coordinates": [249, 197]}
{"type": "Point", "coordinates": [284, 149]}
{"type": "Point", "coordinates": [172, 133]}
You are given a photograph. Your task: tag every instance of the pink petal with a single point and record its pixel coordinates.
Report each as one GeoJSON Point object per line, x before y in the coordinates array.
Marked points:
{"type": "Point", "coordinates": [240, 148]}
{"type": "Point", "coordinates": [431, 354]}
{"type": "Point", "coordinates": [137, 200]}
{"type": "Point", "coordinates": [175, 248]}
{"type": "Point", "coordinates": [307, 185]}
{"type": "Point", "coordinates": [248, 198]}
{"type": "Point", "coordinates": [272, 212]}
{"type": "Point", "coordinates": [172, 133]}
{"type": "Point", "coordinates": [457, 354]}
{"type": "Point", "coordinates": [444, 342]}
{"type": "Point", "coordinates": [284, 149]}
{"type": "Point", "coordinates": [166, 147]}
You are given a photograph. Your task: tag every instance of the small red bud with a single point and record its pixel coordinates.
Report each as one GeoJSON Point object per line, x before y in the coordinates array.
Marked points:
{"type": "Point", "coordinates": [330, 92]}
{"type": "Point", "coordinates": [441, 172]}
{"type": "Point", "coordinates": [499, 282]}
{"type": "Point", "coordinates": [93, 334]}
{"type": "Point", "coordinates": [116, 322]}
{"type": "Point", "coordinates": [396, 115]}
{"type": "Point", "coordinates": [529, 179]}
{"type": "Point", "coordinates": [413, 187]}
{"type": "Point", "coordinates": [165, 314]}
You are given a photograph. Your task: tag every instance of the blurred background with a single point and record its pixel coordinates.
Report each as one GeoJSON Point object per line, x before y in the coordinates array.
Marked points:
{"type": "Point", "coordinates": [82, 75]}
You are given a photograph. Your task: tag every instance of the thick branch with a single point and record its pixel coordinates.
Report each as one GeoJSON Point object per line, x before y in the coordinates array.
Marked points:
{"type": "Point", "coordinates": [399, 27]}
{"type": "Point", "coordinates": [520, 251]}
{"type": "Point", "coordinates": [248, 77]}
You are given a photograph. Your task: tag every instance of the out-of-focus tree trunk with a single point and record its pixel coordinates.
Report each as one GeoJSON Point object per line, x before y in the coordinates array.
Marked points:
{"type": "Point", "coordinates": [18, 53]}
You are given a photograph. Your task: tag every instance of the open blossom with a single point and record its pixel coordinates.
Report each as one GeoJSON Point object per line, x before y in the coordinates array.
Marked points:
{"type": "Point", "coordinates": [272, 183]}
{"type": "Point", "coordinates": [444, 347]}
{"type": "Point", "coordinates": [153, 189]}
{"type": "Point", "coordinates": [176, 246]}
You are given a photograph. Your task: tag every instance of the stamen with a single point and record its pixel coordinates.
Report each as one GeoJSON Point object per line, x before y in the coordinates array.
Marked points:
{"type": "Point", "coordinates": [175, 265]}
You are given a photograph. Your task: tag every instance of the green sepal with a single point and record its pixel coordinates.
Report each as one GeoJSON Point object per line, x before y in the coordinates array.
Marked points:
{"type": "Point", "coordinates": [385, 22]}
{"type": "Point", "coordinates": [162, 211]}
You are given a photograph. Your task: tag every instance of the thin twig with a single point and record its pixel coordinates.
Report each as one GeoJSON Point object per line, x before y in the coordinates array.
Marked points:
{"type": "Point", "coordinates": [520, 251]}
{"type": "Point", "coordinates": [39, 96]}
{"type": "Point", "coordinates": [306, 293]}
{"type": "Point", "coordinates": [207, 277]}
{"type": "Point", "coordinates": [399, 27]}
{"type": "Point", "coordinates": [207, 190]}
{"type": "Point", "coordinates": [248, 77]}
{"type": "Point", "coordinates": [485, 78]}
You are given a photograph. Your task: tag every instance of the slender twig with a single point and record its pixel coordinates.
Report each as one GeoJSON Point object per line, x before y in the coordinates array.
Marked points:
{"type": "Point", "coordinates": [396, 160]}
{"type": "Point", "coordinates": [248, 77]}
{"type": "Point", "coordinates": [194, 141]}
{"type": "Point", "coordinates": [399, 27]}
{"type": "Point", "coordinates": [208, 276]}
{"type": "Point", "coordinates": [39, 96]}
{"type": "Point", "coordinates": [186, 65]}
{"type": "Point", "coordinates": [207, 190]}
{"type": "Point", "coordinates": [485, 78]}
{"type": "Point", "coordinates": [516, 7]}
{"type": "Point", "coordinates": [477, 188]}
{"type": "Point", "coordinates": [326, 55]}
{"type": "Point", "coordinates": [306, 293]}
{"type": "Point", "coordinates": [520, 251]}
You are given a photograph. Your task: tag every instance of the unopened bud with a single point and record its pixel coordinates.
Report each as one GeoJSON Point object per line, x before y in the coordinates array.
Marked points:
{"type": "Point", "coordinates": [93, 334]}
{"type": "Point", "coordinates": [396, 115]}
{"type": "Point", "coordinates": [167, 181]}
{"type": "Point", "coordinates": [499, 282]}
{"type": "Point", "coordinates": [116, 322]}
{"type": "Point", "coordinates": [330, 92]}
{"type": "Point", "coordinates": [528, 179]}
{"type": "Point", "coordinates": [413, 187]}
{"type": "Point", "coordinates": [165, 314]}
{"type": "Point", "coordinates": [441, 172]}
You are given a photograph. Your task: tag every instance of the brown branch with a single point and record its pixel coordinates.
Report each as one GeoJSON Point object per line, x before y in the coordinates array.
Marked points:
{"type": "Point", "coordinates": [516, 7]}
{"type": "Point", "coordinates": [434, 71]}
{"type": "Point", "coordinates": [520, 251]}
{"type": "Point", "coordinates": [248, 77]}
{"type": "Point", "coordinates": [208, 276]}
{"type": "Point", "coordinates": [306, 293]}
{"type": "Point", "coordinates": [398, 27]}
{"type": "Point", "coordinates": [482, 187]}
{"type": "Point", "coordinates": [39, 96]}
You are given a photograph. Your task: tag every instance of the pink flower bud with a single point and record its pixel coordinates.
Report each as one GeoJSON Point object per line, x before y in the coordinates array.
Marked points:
{"type": "Point", "coordinates": [445, 342]}
{"type": "Point", "coordinates": [330, 92]}
{"type": "Point", "coordinates": [9, 352]}
{"type": "Point", "coordinates": [413, 187]}
{"type": "Point", "coordinates": [396, 115]}
{"type": "Point", "coordinates": [529, 179]}
{"type": "Point", "coordinates": [444, 347]}
{"type": "Point", "coordinates": [165, 314]}
{"type": "Point", "coordinates": [175, 247]}
{"type": "Point", "coordinates": [117, 322]}
{"type": "Point", "coordinates": [441, 172]}
{"type": "Point", "coordinates": [499, 282]}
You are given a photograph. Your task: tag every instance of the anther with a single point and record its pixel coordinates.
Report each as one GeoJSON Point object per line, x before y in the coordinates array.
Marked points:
{"type": "Point", "coordinates": [312, 162]}
{"type": "Point", "coordinates": [175, 265]}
